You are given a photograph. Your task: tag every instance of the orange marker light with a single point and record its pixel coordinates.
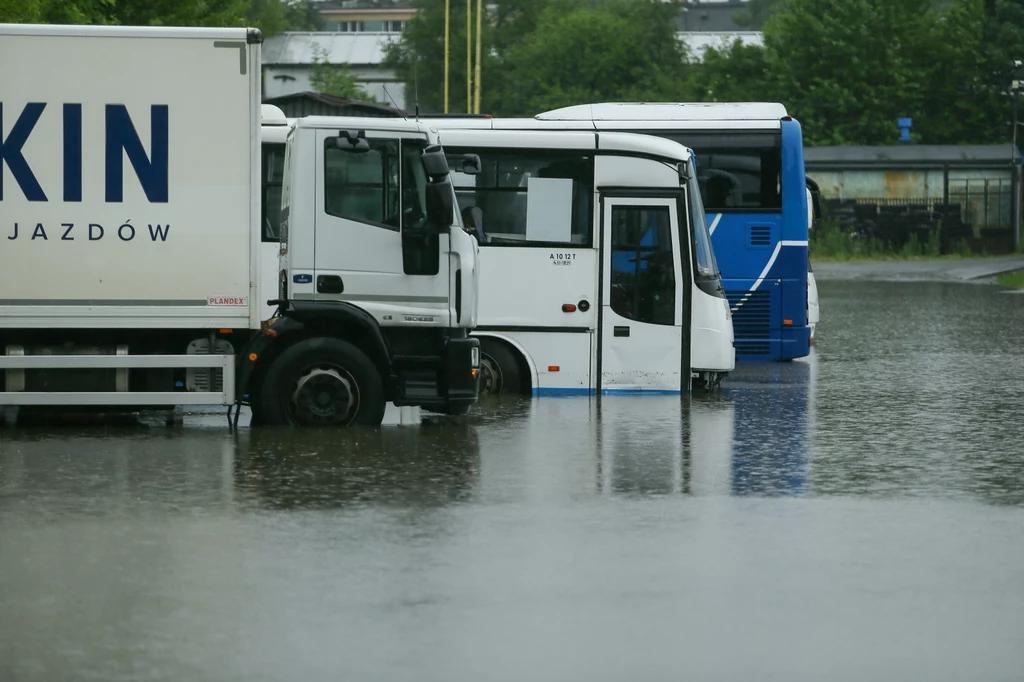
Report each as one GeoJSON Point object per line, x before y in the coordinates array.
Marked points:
{"type": "Point", "coordinates": [554, 368]}
{"type": "Point", "coordinates": [252, 357]}
{"type": "Point", "coordinates": [788, 322]}
{"type": "Point", "coordinates": [473, 372]}
{"type": "Point", "coordinates": [568, 307]}
{"type": "Point", "coordinates": [225, 331]}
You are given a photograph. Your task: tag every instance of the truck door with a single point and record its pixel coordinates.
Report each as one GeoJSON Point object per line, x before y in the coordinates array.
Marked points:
{"type": "Point", "coordinates": [642, 295]}
{"type": "Point", "coordinates": [371, 245]}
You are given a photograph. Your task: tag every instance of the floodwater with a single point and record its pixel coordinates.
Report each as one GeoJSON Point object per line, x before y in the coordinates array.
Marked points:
{"type": "Point", "coordinates": [855, 515]}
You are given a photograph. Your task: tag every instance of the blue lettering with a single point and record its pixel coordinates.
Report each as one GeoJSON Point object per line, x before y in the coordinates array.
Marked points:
{"type": "Point", "coordinates": [151, 171]}
{"type": "Point", "coordinates": [121, 233]}
{"type": "Point", "coordinates": [72, 152]}
{"type": "Point", "coordinates": [159, 231]}
{"type": "Point", "coordinates": [39, 232]}
{"type": "Point", "coordinates": [97, 238]}
{"type": "Point", "coordinates": [10, 151]}
{"type": "Point", "coordinates": [65, 237]}
{"type": "Point", "coordinates": [15, 235]}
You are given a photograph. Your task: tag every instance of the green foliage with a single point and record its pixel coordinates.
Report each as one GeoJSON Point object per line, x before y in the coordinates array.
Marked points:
{"type": "Point", "coordinates": [273, 17]}
{"type": "Point", "coordinates": [544, 53]}
{"type": "Point", "coordinates": [731, 74]}
{"type": "Point", "coordinates": [336, 80]}
{"type": "Point", "coordinates": [270, 16]}
{"type": "Point", "coordinates": [755, 13]}
{"type": "Point", "coordinates": [846, 68]}
{"type": "Point", "coordinates": [1013, 279]}
{"type": "Point", "coordinates": [615, 51]}
{"type": "Point", "coordinates": [20, 11]}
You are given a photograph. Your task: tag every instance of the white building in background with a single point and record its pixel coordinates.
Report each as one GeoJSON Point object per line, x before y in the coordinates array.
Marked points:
{"type": "Point", "coordinates": [288, 63]}
{"type": "Point", "coordinates": [698, 41]}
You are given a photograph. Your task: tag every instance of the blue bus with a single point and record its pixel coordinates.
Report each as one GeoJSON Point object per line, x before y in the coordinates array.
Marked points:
{"type": "Point", "coordinates": [750, 164]}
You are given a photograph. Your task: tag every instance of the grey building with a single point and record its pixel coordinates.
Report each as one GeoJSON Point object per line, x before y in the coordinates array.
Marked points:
{"type": "Point", "coordinates": [972, 191]}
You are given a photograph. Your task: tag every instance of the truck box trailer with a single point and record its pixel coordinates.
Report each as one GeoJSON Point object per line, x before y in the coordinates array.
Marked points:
{"type": "Point", "coordinates": [130, 215]}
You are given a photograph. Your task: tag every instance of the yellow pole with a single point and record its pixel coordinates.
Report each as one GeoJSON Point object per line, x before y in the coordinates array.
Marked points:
{"type": "Point", "coordinates": [447, 11]}
{"type": "Point", "coordinates": [479, 22]}
{"type": "Point", "coordinates": [469, 55]}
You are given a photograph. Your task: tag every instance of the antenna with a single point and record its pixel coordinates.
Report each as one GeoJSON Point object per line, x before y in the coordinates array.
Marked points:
{"type": "Point", "coordinates": [416, 86]}
{"type": "Point", "coordinates": [388, 95]}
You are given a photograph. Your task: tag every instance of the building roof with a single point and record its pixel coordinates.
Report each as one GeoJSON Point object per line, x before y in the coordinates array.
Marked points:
{"type": "Point", "coordinates": [344, 106]}
{"type": "Point", "coordinates": [296, 48]}
{"type": "Point", "coordinates": [909, 156]}
{"type": "Point", "coordinates": [710, 16]}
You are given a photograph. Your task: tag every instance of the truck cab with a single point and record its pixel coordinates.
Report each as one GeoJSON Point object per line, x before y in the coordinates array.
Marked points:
{"type": "Point", "coordinates": [372, 248]}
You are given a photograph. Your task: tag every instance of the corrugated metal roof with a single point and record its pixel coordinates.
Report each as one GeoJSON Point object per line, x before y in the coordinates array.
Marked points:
{"type": "Point", "coordinates": [908, 155]}
{"type": "Point", "coordinates": [294, 48]}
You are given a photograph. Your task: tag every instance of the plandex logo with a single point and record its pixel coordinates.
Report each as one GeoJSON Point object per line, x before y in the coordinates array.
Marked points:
{"type": "Point", "coordinates": [120, 139]}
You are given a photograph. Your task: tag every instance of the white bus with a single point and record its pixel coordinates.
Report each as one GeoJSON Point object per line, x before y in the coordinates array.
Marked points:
{"type": "Point", "coordinates": [597, 271]}
{"type": "Point", "coordinates": [542, 338]}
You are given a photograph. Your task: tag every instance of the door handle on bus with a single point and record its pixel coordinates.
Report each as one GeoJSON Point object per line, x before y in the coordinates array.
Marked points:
{"type": "Point", "coordinates": [620, 331]}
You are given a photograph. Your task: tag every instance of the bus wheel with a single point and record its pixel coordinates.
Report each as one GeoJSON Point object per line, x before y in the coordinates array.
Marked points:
{"type": "Point", "coordinates": [322, 382]}
{"type": "Point", "coordinates": [499, 371]}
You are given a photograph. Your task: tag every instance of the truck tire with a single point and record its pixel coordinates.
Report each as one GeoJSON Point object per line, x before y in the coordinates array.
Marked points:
{"type": "Point", "coordinates": [322, 382]}
{"type": "Point", "coordinates": [499, 370]}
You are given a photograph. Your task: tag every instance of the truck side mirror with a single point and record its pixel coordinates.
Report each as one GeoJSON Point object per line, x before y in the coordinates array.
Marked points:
{"type": "Point", "coordinates": [815, 196]}
{"type": "Point", "coordinates": [352, 141]}
{"type": "Point", "coordinates": [440, 204]}
{"type": "Point", "coordinates": [468, 164]}
{"type": "Point", "coordinates": [435, 163]}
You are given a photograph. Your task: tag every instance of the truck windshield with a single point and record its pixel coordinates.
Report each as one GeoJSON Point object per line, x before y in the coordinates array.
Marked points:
{"type": "Point", "coordinates": [707, 266]}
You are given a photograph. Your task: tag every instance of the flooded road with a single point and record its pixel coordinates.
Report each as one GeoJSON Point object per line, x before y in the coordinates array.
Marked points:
{"type": "Point", "coordinates": [855, 515]}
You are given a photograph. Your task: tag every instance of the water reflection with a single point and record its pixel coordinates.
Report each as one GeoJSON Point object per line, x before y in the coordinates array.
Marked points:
{"type": "Point", "coordinates": [429, 466]}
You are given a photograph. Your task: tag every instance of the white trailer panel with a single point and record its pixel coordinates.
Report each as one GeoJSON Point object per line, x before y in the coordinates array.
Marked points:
{"type": "Point", "coordinates": [129, 201]}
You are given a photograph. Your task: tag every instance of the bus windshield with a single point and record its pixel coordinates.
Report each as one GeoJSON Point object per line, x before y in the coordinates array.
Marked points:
{"type": "Point", "coordinates": [707, 266]}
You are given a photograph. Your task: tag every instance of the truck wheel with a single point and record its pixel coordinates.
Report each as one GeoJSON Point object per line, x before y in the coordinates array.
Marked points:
{"type": "Point", "coordinates": [322, 382]}
{"type": "Point", "coordinates": [499, 371]}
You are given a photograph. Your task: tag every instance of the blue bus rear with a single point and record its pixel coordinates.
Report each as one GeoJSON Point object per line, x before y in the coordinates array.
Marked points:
{"type": "Point", "coordinates": [753, 184]}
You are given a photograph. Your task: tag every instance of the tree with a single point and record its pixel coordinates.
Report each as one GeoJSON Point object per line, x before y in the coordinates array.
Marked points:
{"type": "Point", "coordinates": [536, 49]}
{"type": "Point", "coordinates": [731, 73]}
{"type": "Point", "coordinates": [755, 13]}
{"type": "Point", "coordinates": [274, 17]}
{"type": "Point", "coordinates": [616, 50]}
{"type": "Point", "coordinates": [335, 80]}
{"type": "Point", "coordinates": [848, 69]}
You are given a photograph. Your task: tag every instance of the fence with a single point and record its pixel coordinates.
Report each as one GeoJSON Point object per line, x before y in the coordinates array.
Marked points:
{"type": "Point", "coordinates": [978, 212]}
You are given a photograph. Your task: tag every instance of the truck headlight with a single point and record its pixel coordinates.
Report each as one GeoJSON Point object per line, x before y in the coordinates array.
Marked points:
{"type": "Point", "coordinates": [474, 357]}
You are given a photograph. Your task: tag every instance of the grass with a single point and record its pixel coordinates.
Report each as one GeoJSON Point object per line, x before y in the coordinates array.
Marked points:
{"type": "Point", "coordinates": [830, 243]}
{"type": "Point", "coordinates": [1014, 280]}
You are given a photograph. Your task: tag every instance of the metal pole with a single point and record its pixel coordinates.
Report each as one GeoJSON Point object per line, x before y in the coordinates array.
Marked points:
{"type": "Point", "coordinates": [469, 56]}
{"type": "Point", "coordinates": [447, 50]}
{"type": "Point", "coordinates": [1014, 175]}
{"type": "Point", "coordinates": [479, 24]}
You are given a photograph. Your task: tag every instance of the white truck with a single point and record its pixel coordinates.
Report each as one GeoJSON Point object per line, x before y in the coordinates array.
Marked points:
{"type": "Point", "coordinates": [130, 240]}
